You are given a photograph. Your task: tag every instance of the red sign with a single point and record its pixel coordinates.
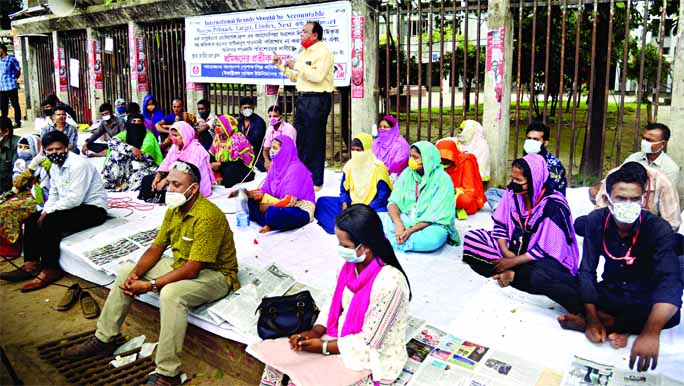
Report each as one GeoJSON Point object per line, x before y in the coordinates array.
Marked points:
{"type": "Point", "coordinates": [494, 65]}
{"type": "Point", "coordinates": [141, 64]}
{"type": "Point", "coordinates": [357, 59]}
{"type": "Point", "coordinates": [95, 54]}
{"type": "Point", "coordinates": [61, 70]}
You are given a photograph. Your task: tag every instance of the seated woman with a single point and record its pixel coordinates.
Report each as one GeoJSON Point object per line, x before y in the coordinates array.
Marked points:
{"type": "Point", "coordinates": [471, 140]}
{"type": "Point", "coordinates": [133, 154]}
{"type": "Point", "coordinates": [185, 148]}
{"type": "Point", "coordinates": [232, 155]}
{"type": "Point", "coordinates": [31, 184]}
{"type": "Point", "coordinates": [533, 245]}
{"type": "Point", "coordinates": [364, 181]}
{"type": "Point", "coordinates": [421, 207]}
{"type": "Point", "coordinates": [390, 147]}
{"type": "Point", "coordinates": [152, 114]}
{"type": "Point", "coordinates": [464, 173]}
{"type": "Point", "coordinates": [361, 338]}
{"type": "Point", "coordinates": [286, 199]}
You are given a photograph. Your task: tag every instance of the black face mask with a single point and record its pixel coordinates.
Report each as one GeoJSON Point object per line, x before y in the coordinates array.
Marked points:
{"type": "Point", "coordinates": [516, 187]}
{"type": "Point", "coordinates": [203, 114]}
{"type": "Point", "coordinates": [57, 158]}
{"type": "Point", "coordinates": [47, 112]}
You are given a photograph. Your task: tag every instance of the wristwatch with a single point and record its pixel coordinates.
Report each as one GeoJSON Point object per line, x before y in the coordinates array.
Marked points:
{"type": "Point", "coordinates": [324, 349]}
{"type": "Point", "coordinates": [154, 285]}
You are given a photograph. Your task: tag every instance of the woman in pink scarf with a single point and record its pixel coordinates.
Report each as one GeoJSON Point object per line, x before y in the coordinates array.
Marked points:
{"type": "Point", "coordinates": [361, 339]}
{"type": "Point", "coordinates": [390, 147]}
{"type": "Point", "coordinates": [185, 148]}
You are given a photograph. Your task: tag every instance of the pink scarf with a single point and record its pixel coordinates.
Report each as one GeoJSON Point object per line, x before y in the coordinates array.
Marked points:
{"type": "Point", "coordinates": [361, 286]}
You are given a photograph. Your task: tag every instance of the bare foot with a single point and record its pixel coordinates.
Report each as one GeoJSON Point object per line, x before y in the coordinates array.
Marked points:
{"type": "Point", "coordinates": [504, 278]}
{"type": "Point", "coordinates": [618, 340]}
{"type": "Point", "coordinates": [572, 322]}
{"type": "Point", "coordinates": [265, 229]}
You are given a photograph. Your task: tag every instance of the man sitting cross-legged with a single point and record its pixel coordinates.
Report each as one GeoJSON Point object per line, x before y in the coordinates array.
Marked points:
{"type": "Point", "coordinates": [203, 269]}
{"type": "Point", "coordinates": [641, 290]}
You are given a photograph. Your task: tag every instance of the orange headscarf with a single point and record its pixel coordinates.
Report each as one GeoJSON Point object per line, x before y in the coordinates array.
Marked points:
{"type": "Point", "coordinates": [465, 176]}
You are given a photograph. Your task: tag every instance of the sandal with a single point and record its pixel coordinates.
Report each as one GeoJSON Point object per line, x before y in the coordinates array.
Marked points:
{"type": "Point", "coordinates": [70, 298]}
{"type": "Point", "coordinates": [89, 306]}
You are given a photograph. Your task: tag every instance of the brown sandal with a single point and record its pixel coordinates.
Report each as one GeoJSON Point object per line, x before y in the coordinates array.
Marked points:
{"type": "Point", "coordinates": [89, 306]}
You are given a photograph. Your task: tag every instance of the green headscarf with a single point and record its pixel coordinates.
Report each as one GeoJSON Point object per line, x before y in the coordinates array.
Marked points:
{"type": "Point", "coordinates": [435, 203]}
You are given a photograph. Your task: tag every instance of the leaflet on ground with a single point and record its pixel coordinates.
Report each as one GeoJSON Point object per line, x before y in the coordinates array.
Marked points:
{"type": "Point", "coordinates": [438, 358]}
{"type": "Point", "coordinates": [585, 372]}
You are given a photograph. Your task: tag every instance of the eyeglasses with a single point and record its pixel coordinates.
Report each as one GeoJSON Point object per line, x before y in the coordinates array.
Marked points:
{"type": "Point", "coordinates": [185, 168]}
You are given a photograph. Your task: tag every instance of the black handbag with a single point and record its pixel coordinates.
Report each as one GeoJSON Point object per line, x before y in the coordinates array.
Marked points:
{"type": "Point", "coordinates": [282, 316]}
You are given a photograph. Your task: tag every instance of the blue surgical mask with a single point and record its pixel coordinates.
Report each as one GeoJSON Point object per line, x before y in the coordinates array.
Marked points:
{"type": "Point", "coordinates": [121, 109]}
{"type": "Point", "coordinates": [272, 153]}
{"type": "Point", "coordinates": [349, 254]}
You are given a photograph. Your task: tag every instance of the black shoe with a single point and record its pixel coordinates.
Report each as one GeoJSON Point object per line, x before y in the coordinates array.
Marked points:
{"type": "Point", "coordinates": [17, 125]}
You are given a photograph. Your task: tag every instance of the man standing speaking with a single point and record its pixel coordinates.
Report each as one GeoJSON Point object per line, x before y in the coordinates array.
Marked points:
{"type": "Point", "coordinates": [313, 73]}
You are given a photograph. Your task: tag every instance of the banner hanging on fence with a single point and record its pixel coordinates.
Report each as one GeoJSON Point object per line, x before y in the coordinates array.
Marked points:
{"type": "Point", "coordinates": [238, 47]}
{"type": "Point", "coordinates": [357, 62]}
{"type": "Point", "coordinates": [494, 64]}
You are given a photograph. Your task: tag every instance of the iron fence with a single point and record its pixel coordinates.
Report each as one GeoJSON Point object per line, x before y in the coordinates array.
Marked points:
{"type": "Point", "coordinates": [581, 53]}
{"type": "Point", "coordinates": [45, 70]}
{"type": "Point", "coordinates": [116, 71]}
{"type": "Point", "coordinates": [164, 46]}
{"type": "Point", "coordinates": [75, 47]}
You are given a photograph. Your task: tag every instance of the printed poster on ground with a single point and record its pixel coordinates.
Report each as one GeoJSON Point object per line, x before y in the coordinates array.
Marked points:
{"type": "Point", "coordinates": [238, 47]}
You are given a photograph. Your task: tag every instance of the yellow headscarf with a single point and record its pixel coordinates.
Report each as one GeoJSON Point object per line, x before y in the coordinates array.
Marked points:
{"type": "Point", "coordinates": [363, 171]}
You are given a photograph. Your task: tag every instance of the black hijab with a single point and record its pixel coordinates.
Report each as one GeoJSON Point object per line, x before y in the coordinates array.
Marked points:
{"type": "Point", "coordinates": [135, 133]}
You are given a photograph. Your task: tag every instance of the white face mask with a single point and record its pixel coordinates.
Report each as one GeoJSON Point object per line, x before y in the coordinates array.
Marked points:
{"type": "Point", "coordinates": [247, 112]}
{"type": "Point", "coordinates": [647, 146]}
{"type": "Point", "coordinates": [106, 117]}
{"type": "Point", "coordinates": [349, 254]}
{"type": "Point", "coordinates": [625, 212]}
{"type": "Point", "coordinates": [532, 146]}
{"type": "Point", "coordinates": [177, 199]}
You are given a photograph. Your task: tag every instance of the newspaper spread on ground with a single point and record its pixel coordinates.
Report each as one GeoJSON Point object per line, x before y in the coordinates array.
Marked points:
{"type": "Point", "coordinates": [239, 309]}
{"type": "Point", "coordinates": [246, 274]}
{"type": "Point", "coordinates": [127, 249]}
{"type": "Point", "coordinates": [584, 372]}
{"type": "Point", "coordinates": [438, 358]}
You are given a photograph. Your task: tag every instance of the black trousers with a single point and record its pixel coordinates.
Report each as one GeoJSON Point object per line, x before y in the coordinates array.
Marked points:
{"type": "Point", "coordinates": [41, 243]}
{"type": "Point", "coordinates": [546, 277]}
{"type": "Point", "coordinates": [7, 97]}
{"type": "Point", "coordinates": [97, 146]}
{"type": "Point", "coordinates": [630, 310]}
{"type": "Point", "coordinates": [235, 172]}
{"type": "Point", "coordinates": [311, 121]}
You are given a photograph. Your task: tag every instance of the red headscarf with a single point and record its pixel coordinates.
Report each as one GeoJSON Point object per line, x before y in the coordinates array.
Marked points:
{"type": "Point", "coordinates": [465, 176]}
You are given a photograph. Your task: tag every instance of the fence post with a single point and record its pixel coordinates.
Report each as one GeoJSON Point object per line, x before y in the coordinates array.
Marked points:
{"type": "Point", "coordinates": [364, 111]}
{"type": "Point", "coordinates": [33, 109]}
{"type": "Point", "coordinates": [676, 142]}
{"type": "Point", "coordinates": [56, 45]}
{"type": "Point", "coordinates": [497, 95]}
{"type": "Point", "coordinates": [96, 95]}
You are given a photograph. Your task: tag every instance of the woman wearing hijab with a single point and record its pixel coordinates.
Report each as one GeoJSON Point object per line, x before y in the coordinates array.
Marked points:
{"type": "Point", "coordinates": [31, 184]}
{"type": "Point", "coordinates": [232, 155]}
{"type": "Point", "coordinates": [421, 207]}
{"type": "Point", "coordinates": [464, 173]}
{"type": "Point", "coordinates": [365, 180]}
{"type": "Point", "coordinates": [286, 199]}
{"type": "Point", "coordinates": [471, 139]}
{"type": "Point", "coordinates": [359, 338]}
{"type": "Point", "coordinates": [533, 245]}
{"type": "Point", "coordinates": [185, 148]}
{"type": "Point", "coordinates": [133, 154]}
{"type": "Point", "coordinates": [390, 147]}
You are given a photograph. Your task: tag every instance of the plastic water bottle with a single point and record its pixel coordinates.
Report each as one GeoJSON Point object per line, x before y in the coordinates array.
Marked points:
{"type": "Point", "coordinates": [374, 131]}
{"type": "Point", "coordinates": [242, 215]}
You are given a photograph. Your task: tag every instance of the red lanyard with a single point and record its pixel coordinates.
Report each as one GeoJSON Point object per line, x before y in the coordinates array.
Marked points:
{"type": "Point", "coordinates": [627, 258]}
{"type": "Point", "coordinates": [527, 219]}
{"type": "Point", "coordinates": [417, 191]}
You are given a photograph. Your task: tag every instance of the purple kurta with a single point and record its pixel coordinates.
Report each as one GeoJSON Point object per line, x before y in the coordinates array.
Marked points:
{"type": "Point", "coordinates": [550, 228]}
{"type": "Point", "coordinates": [288, 175]}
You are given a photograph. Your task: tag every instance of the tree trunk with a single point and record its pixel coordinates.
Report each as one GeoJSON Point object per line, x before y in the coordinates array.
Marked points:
{"type": "Point", "coordinates": [592, 162]}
